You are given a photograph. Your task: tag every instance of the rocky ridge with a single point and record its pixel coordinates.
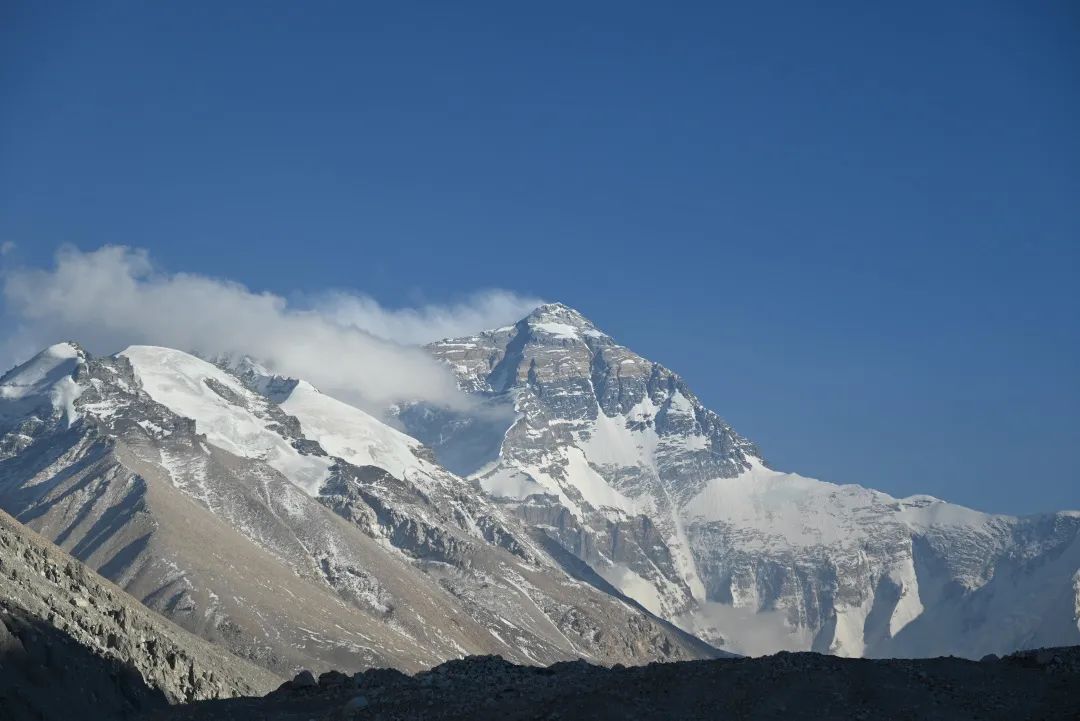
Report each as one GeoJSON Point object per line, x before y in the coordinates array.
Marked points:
{"type": "Point", "coordinates": [71, 639]}
{"type": "Point", "coordinates": [290, 528]}
{"type": "Point", "coordinates": [788, 686]}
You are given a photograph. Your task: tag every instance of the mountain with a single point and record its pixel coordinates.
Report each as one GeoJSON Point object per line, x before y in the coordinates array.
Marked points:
{"type": "Point", "coordinates": [70, 639]}
{"type": "Point", "coordinates": [288, 527]}
{"type": "Point", "coordinates": [586, 504]}
{"type": "Point", "coordinates": [612, 457]}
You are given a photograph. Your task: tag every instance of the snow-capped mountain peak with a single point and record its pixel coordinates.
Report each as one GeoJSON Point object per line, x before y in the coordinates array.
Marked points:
{"type": "Point", "coordinates": [576, 446]}
{"type": "Point", "coordinates": [44, 384]}
{"type": "Point", "coordinates": [561, 321]}
{"type": "Point", "coordinates": [614, 457]}
{"type": "Point", "coordinates": [287, 525]}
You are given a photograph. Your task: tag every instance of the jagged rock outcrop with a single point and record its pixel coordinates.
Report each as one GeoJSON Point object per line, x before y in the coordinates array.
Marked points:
{"type": "Point", "coordinates": [74, 645]}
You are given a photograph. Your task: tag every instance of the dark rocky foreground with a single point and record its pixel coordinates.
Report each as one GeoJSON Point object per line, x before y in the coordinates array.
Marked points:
{"type": "Point", "coordinates": [74, 646]}
{"type": "Point", "coordinates": [1032, 685]}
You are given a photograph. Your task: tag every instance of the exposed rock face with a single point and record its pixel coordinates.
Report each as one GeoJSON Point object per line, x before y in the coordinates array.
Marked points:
{"type": "Point", "coordinates": [294, 530]}
{"type": "Point", "coordinates": [300, 532]}
{"type": "Point", "coordinates": [1042, 685]}
{"type": "Point", "coordinates": [615, 459]}
{"type": "Point", "coordinates": [74, 645]}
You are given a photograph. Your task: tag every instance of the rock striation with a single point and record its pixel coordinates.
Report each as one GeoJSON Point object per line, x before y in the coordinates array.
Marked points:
{"type": "Point", "coordinates": [612, 457]}
{"type": "Point", "coordinates": [72, 644]}
{"type": "Point", "coordinates": [287, 527]}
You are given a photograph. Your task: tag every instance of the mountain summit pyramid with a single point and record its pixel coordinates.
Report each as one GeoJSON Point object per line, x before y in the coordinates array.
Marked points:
{"type": "Point", "coordinates": [614, 458]}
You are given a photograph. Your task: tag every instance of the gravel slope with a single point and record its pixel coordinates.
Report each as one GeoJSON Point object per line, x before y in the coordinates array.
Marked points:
{"type": "Point", "coordinates": [69, 639]}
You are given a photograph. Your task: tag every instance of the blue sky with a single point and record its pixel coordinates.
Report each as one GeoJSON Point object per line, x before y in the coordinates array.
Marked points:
{"type": "Point", "coordinates": [853, 227]}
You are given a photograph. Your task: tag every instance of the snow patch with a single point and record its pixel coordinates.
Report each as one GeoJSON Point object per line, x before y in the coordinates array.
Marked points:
{"type": "Point", "coordinates": [177, 380]}
{"type": "Point", "coordinates": [910, 606]}
{"type": "Point", "coordinates": [592, 486]}
{"type": "Point", "coordinates": [350, 433]}
{"type": "Point", "coordinates": [559, 330]}
{"type": "Point", "coordinates": [45, 378]}
{"type": "Point", "coordinates": [633, 586]}
{"type": "Point", "coordinates": [787, 508]}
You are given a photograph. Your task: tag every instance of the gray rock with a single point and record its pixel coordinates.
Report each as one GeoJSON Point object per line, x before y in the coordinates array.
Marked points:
{"type": "Point", "coordinates": [57, 649]}
{"type": "Point", "coordinates": [913, 575]}
{"type": "Point", "coordinates": [374, 569]}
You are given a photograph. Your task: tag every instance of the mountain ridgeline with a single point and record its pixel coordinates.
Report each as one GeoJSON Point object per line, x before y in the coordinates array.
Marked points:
{"type": "Point", "coordinates": [586, 506]}
{"type": "Point", "coordinates": [292, 529]}
{"type": "Point", "coordinates": [615, 459]}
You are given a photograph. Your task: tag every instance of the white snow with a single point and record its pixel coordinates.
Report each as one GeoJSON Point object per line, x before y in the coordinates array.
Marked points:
{"type": "Point", "coordinates": [559, 330]}
{"type": "Point", "coordinates": [910, 606]}
{"type": "Point", "coordinates": [46, 376]}
{"type": "Point", "coordinates": [923, 512]}
{"type": "Point", "coordinates": [506, 482]}
{"type": "Point", "coordinates": [153, 428]}
{"type": "Point", "coordinates": [791, 509]}
{"type": "Point", "coordinates": [350, 433]}
{"type": "Point", "coordinates": [511, 479]}
{"type": "Point", "coordinates": [633, 585]}
{"type": "Point", "coordinates": [680, 405]}
{"type": "Point", "coordinates": [63, 396]}
{"type": "Point", "coordinates": [848, 635]}
{"type": "Point", "coordinates": [611, 442]}
{"type": "Point", "coordinates": [177, 380]}
{"type": "Point", "coordinates": [592, 486]}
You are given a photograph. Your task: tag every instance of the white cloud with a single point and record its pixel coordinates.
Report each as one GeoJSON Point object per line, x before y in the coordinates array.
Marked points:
{"type": "Point", "coordinates": [347, 344]}
{"type": "Point", "coordinates": [480, 311]}
{"type": "Point", "coordinates": [7, 247]}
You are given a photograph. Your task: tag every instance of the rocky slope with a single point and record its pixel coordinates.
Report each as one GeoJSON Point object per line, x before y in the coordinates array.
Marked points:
{"type": "Point", "coordinates": [615, 459]}
{"type": "Point", "coordinates": [70, 640]}
{"type": "Point", "coordinates": [1037, 686]}
{"type": "Point", "coordinates": [292, 529]}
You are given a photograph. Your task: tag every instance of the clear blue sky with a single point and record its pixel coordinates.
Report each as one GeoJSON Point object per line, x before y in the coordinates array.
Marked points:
{"type": "Point", "coordinates": [853, 227]}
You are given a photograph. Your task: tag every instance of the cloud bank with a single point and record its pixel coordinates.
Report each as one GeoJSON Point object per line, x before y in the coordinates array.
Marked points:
{"type": "Point", "coordinates": [345, 343]}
